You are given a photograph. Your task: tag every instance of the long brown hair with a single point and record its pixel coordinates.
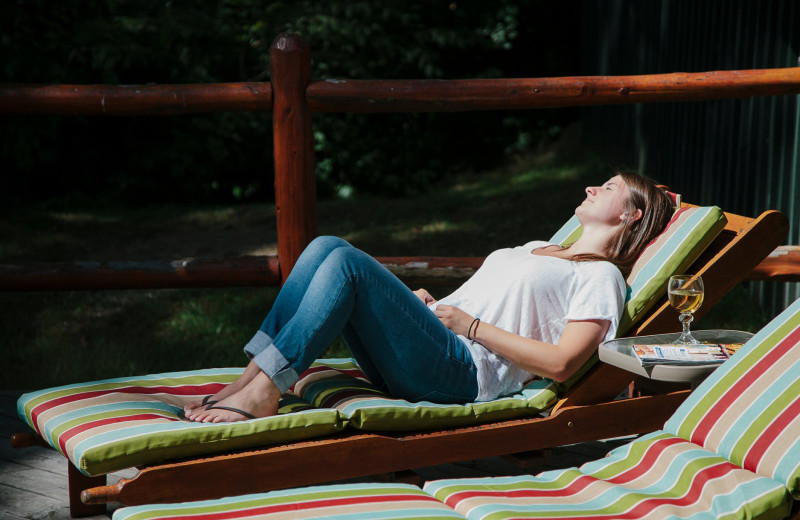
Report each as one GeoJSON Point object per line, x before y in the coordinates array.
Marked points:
{"type": "Point", "coordinates": [657, 208]}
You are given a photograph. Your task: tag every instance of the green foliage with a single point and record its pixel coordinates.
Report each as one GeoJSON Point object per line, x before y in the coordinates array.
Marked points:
{"type": "Point", "coordinates": [65, 337]}
{"type": "Point", "coordinates": [75, 161]}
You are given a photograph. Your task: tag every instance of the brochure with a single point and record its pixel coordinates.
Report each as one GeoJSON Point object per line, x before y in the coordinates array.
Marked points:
{"type": "Point", "coordinates": [672, 354]}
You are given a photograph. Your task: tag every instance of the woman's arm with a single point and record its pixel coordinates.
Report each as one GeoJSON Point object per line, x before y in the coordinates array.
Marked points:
{"type": "Point", "coordinates": [577, 343]}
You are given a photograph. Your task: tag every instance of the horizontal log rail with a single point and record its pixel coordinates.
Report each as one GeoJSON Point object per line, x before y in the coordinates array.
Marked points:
{"type": "Point", "coordinates": [254, 271]}
{"type": "Point", "coordinates": [293, 97]}
{"type": "Point", "coordinates": [782, 265]}
{"type": "Point", "coordinates": [135, 100]}
{"type": "Point", "coordinates": [373, 96]}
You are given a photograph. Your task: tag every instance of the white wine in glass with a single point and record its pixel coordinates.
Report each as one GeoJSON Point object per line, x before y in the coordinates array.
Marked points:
{"type": "Point", "coordinates": [686, 296]}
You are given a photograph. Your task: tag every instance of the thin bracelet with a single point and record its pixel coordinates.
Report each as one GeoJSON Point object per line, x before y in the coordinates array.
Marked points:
{"type": "Point", "coordinates": [469, 330]}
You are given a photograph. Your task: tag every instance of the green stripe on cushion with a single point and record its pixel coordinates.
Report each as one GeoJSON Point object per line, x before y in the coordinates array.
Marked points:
{"type": "Point", "coordinates": [748, 410]}
{"type": "Point", "coordinates": [351, 501]}
{"type": "Point", "coordinates": [105, 426]}
{"type": "Point", "coordinates": [338, 383]}
{"type": "Point", "coordinates": [656, 476]}
{"type": "Point", "coordinates": [569, 232]}
{"type": "Point", "coordinates": [688, 234]}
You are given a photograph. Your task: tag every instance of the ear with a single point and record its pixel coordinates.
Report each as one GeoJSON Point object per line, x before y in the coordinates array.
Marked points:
{"type": "Point", "coordinates": [636, 215]}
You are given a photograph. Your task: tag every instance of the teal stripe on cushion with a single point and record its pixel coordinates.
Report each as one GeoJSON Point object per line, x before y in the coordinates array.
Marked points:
{"type": "Point", "coordinates": [29, 401]}
{"type": "Point", "coordinates": [146, 444]}
{"type": "Point", "coordinates": [688, 234]}
{"type": "Point", "coordinates": [659, 474]}
{"type": "Point", "coordinates": [105, 426]}
{"type": "Point", "coordinates": [569, 232]}
{"type": "Point", "coordinates": [732, 370]}
{"type": "Point", "coordinates": [748, 410]}
{"type": "Point", "coordinates": [340, 384]}
{"type": "Point", "coordinates": [677, 248]}
{"type": "Point", "coordinates": [351, 501]}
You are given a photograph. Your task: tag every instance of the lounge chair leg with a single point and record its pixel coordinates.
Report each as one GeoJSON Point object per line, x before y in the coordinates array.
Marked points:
{"type": "Point", "coordinates": [528, 459]}
{"type": "Point", "coordinates": [795, 515]}
{"type": "Point", "coordinates": [405, 476]}
{"type": "Point", "coordinates": [408, 477]}
{"type": "Point", "coordinates": [77, 483]}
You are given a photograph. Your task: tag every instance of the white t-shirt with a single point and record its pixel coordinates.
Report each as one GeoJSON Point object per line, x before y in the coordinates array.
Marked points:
{"type": "Point", "coordinates": [533, 296]}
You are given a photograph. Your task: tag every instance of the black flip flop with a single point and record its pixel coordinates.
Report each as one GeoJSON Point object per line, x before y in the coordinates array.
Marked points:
{"type": "Point", "coordinates": [205, 402]}
{"type": "Point", "coordinates": [231, 409]}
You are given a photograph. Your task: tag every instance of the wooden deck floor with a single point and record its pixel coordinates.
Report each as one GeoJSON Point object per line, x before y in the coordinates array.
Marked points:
{"type": "Point", "coordinates": [33, 481]}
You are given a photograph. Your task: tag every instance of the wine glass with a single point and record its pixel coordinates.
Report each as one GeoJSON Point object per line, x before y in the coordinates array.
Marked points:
{"type": "Point", "coordinates": [686, 295]}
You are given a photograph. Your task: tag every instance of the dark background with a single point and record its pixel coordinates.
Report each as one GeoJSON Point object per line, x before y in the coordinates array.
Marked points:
{"type": "Point", "coordinates": [743, 155]}
{"type": "Point", "coordinates": [68, 161]}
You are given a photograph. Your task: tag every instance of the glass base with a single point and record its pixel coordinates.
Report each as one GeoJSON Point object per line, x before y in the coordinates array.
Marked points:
{"type": "Point", "coordinates": [687, 339]}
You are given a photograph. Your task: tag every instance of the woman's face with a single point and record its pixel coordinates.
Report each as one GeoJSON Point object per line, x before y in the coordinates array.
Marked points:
{"type": "Point", "coordinates": [604, 204]}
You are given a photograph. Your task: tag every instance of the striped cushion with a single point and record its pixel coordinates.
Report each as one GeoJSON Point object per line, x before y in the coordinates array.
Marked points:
{"type": "Point", "coordinates": [658, 476]}
{"type": "Point", "coordinates": [340, 384]}
{"type": "Point", "coordinates": [748, 410]}
{"type": "Point", "coordinates": [114, 424]}
{"type": "Point", "coordinates": [352, 501]}
{"type": "Point", "coordinates": [687, 235]}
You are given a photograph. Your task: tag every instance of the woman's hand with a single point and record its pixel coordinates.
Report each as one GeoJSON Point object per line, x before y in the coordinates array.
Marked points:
{"type": "Point", "coordinates": [425, 296]}
{"type": "Point", "coordinates": [454, 318]}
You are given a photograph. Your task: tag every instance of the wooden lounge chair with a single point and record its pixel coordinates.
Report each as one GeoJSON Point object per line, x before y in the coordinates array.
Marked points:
{"type": "Point", "coordinates": [732, 451]}
{"type": "Point", "coordinates": [587, 411]}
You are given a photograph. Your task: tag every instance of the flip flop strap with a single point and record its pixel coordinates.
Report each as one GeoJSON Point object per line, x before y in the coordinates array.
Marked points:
{"type": "Point", "coordinates": [231, 409]}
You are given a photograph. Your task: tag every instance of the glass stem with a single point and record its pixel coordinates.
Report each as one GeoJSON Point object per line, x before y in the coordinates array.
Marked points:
{"type": "Point", "coordinates": [686, 319]}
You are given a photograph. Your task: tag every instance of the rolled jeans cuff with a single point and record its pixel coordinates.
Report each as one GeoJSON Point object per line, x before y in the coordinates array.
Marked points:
{"type": "Point", "coordinates": [269, 359]}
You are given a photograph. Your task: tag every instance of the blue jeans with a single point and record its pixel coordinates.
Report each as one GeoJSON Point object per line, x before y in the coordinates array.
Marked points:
{"type": "Point", "coordinates": [401, 346]}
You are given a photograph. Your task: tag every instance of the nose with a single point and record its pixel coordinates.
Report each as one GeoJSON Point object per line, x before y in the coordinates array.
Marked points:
{"type": "Point", "coordinates": [591, 190]}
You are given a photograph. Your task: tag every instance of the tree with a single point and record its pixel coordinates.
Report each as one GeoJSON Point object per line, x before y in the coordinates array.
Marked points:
{"type": "Point", "coordinates": [227, 157]}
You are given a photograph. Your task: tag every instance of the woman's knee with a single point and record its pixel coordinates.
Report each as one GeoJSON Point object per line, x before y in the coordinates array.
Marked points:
{"type": "Point", "coordinates": [321, 247]}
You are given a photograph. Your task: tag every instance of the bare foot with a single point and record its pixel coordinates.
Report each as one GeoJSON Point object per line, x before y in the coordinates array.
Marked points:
{"type": "Point", "coordinates": [250, 372]}
{"type": "Point", "coordinates": [259, 398]}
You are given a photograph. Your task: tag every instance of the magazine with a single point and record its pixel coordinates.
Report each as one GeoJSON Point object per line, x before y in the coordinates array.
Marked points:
{"type": "Point", "coordinates": [672, 354]}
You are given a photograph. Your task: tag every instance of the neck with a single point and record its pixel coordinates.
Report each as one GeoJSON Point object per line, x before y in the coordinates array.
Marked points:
{"type": "Point", "coordinates": [595, 240]}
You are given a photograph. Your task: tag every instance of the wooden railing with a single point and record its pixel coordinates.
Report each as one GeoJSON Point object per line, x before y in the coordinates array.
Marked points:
{"type": "Point", "coordinates": [292, 96]}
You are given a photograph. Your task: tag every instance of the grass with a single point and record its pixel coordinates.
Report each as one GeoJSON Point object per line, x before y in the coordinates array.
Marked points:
{"type": "Point", "coordinates": [64, 337]}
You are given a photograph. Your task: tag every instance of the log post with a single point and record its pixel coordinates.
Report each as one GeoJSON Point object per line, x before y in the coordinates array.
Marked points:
{"type": "Point", "coordinates": [295, 185]}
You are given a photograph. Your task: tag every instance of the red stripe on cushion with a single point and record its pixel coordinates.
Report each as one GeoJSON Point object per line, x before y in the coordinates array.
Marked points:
{"type": "Point", "coordinates": [352, 372]}
{"type": "Point", "coordinates": [335, 398]}
{"type": "Point", "coordinates": [651, 455]}
{"type": "Point", "coordinates": [575, 487]}
{"type": "Point", "coordinates": [649, 460]}
{"type": "Point", "coordinates": [76, 430]}
{"type": "Point", "coordinates": [672, 221]}
{"type": "Point", "coordinates": [209, 388]}
{"type": "Point", "coordinates": [768, 436]}
{"type": "Point", "coordinates": [644, 507]}
{"type": "Point", "coordinates": [300, 506]}
{"type": "Point", "coordinates": [715, 412]}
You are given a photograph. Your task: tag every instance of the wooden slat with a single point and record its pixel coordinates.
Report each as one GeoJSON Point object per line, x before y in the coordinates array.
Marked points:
{"type": "Point", "coordinates": [783, 265]}
{"type": "Point", "coordinates": [120, 100]}
{"type": "Point", "coordinates": [242, 271]}
{"type": "Point", "coordinates": [373, 96]}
